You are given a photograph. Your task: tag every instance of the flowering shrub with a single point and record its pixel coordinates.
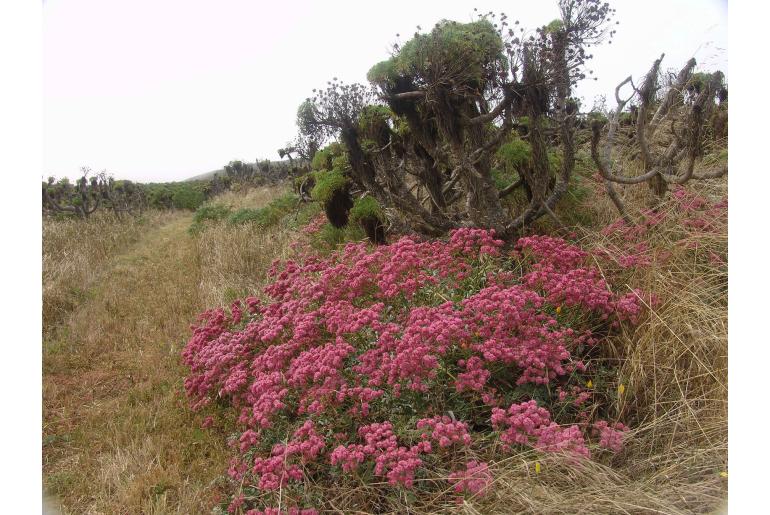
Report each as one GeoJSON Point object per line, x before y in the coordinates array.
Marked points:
{"type": "Point", "coordinates": [395, 360]}
{"type": "Point", "coordinates": [610, 435]}
{"type": "Point", "coordinates": [475, 479]}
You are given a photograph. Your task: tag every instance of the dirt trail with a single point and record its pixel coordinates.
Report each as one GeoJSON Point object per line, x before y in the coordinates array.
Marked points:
{"type": "Point", "coordinates": [117, 434]}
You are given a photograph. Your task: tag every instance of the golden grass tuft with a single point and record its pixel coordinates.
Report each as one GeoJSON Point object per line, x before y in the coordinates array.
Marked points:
{"type": "Point", "coordinates": [235, 259]}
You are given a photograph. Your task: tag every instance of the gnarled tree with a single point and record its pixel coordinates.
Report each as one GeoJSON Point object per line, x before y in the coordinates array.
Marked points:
{"type": "Point", "coordinates": [422, 140]}
{"type": "Point", "coordinates": [80, 199]}
{"type": "Point", "coordinates": [669, 131]}
{"type": "Point", "coordinates": [91, 193]}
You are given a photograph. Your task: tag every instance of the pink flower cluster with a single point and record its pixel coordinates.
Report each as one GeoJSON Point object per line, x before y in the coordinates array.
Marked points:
{"type": "Point", "coordinates": [276, 470]}
{"type": "Point", "coordinates": [561, 275]}
{"type": "Point", "coordinates": [475, 479]}
{"type": "Point", "coordinates": [446, 431]}
{"type": "Point", "coordinates": [397, 463]}
{"type": "Point", "coordinates": [344, 343]}
{"type": "Point", "coordinates": [475, 376]}
{"type": "Point", "coordinates": [579, 395]}
{"type": "Point", "coordinates": [315, 224]}
{"type": "Point", "coordinates": [528, 424]}
{"type": "Point", "coordinates": [611, 436]}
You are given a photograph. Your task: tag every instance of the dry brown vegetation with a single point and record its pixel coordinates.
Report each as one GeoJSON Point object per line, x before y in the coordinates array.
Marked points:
{"type": "Point", "coordinates": [119, 437]}
{"type": "Point", "coordinates": [75, 252]}
{"type": "Point", "coordinates": [116, 435]}
{"type": "Point", "coordinates": [235, 258]}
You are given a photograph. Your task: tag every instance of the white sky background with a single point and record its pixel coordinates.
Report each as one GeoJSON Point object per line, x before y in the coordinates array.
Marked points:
{"type": "Point", "coordinates": [161, 90]}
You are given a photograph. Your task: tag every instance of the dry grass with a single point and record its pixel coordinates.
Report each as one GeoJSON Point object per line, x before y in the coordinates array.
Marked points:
{"type": "Point", "coordinates": [251, 198]}
{"type": "Point", "coordinates": [75, 253]}
{"type": "Point", "coordinates": [118, 435]}
{"type": "Point", "coordinates": [235, 259]}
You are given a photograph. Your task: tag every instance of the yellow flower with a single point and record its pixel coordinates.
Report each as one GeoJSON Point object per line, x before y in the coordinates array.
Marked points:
{"type": "Point", "coordinates": [723, 474]}
{"type": "Point", "coordinates": [590, 384]}
{"type": "Point", "coordinates": [621, 389]}
{"type": "Point", "coordinates": [537, 467]}
{"type": "Point", "coordinates": [558, 309]}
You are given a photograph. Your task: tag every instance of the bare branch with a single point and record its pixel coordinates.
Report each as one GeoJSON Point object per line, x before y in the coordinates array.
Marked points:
{"type": "Point", "coordinates": [674, 92]}
{"type": "Point", "coordinates": [646, 94]}
{"type": "Point", "coordinates": [494, 113]}
{"type": "Point", "coordinates": [408, 95]}
{"type": "Point", "coordinates": [511, 187]}
{"type": "Point", "coordinates": [711, 175]}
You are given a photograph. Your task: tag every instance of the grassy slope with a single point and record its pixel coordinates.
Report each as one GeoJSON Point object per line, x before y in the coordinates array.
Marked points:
{"type": "Point", "coordinates": [75, 252]}
{"type": "Point", "coordinates": [118, 437]}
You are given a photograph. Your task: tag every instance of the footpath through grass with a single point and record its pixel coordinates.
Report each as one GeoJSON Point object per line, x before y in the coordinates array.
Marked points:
{"type": "Point", "coordinates": [117, 434]}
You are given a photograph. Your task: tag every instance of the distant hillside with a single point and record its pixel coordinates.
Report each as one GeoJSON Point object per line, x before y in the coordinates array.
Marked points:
{"type": "Point", "coordinates": [206, 176]}
{"type": "Point", "coordinates": [221, 171]}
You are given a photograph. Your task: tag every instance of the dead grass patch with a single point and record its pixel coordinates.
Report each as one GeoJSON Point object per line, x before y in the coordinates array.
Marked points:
{"type": "Point", "coordinates": [75, 252]}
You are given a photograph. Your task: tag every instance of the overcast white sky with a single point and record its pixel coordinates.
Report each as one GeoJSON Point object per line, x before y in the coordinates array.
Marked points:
{"type": "Point", "coordinates": [161, 90]}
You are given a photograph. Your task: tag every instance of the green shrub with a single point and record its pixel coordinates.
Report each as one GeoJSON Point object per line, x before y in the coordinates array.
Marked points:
{"type": "Point", "coordinates": [555, 161]}
{"type": "Point", "coordinates": [326, 184]}
{"type": "Point", "coordinates": [246, 215]}
{"type": "Point", "coordinates": [597, 116]}
{"type": "Point", "coordinates": [365, 207]}
{"type": "Point", "coordinates": [555, 26]}
{"type": "Point", "coordinates": [474, 44]}
{"type": "Point", "coordinates": [340, 162]}
{"type": "Point", "coordinates": [160, 196]}
{"type": "Point", "coordinates": [331, 236]}
{"type": "Point", "coordinates": [276, 210]}
{"type": "Point", "coordinates": [324, 158]}
{"type": "Point", "coordinates": [297, 182]}
{"type": "Point", "coordinates": [268, 215]}
{"type": "Point", "coordinates": [321, 160]}
{"type": "Point", "coordinates": [187, 196]}
{"type": "Point", "coordinates": [213, 213]}
{"type": "Point", "coordinates": [384, 71]}
{"type": "Point", "coordinates": [514, 154]}
{"type": "Point", "coordinates": [503, 178]}
{"type": "Point", "coordinates": [372, 116]}
{"type": "Point", "coordinates": [284, 203]}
